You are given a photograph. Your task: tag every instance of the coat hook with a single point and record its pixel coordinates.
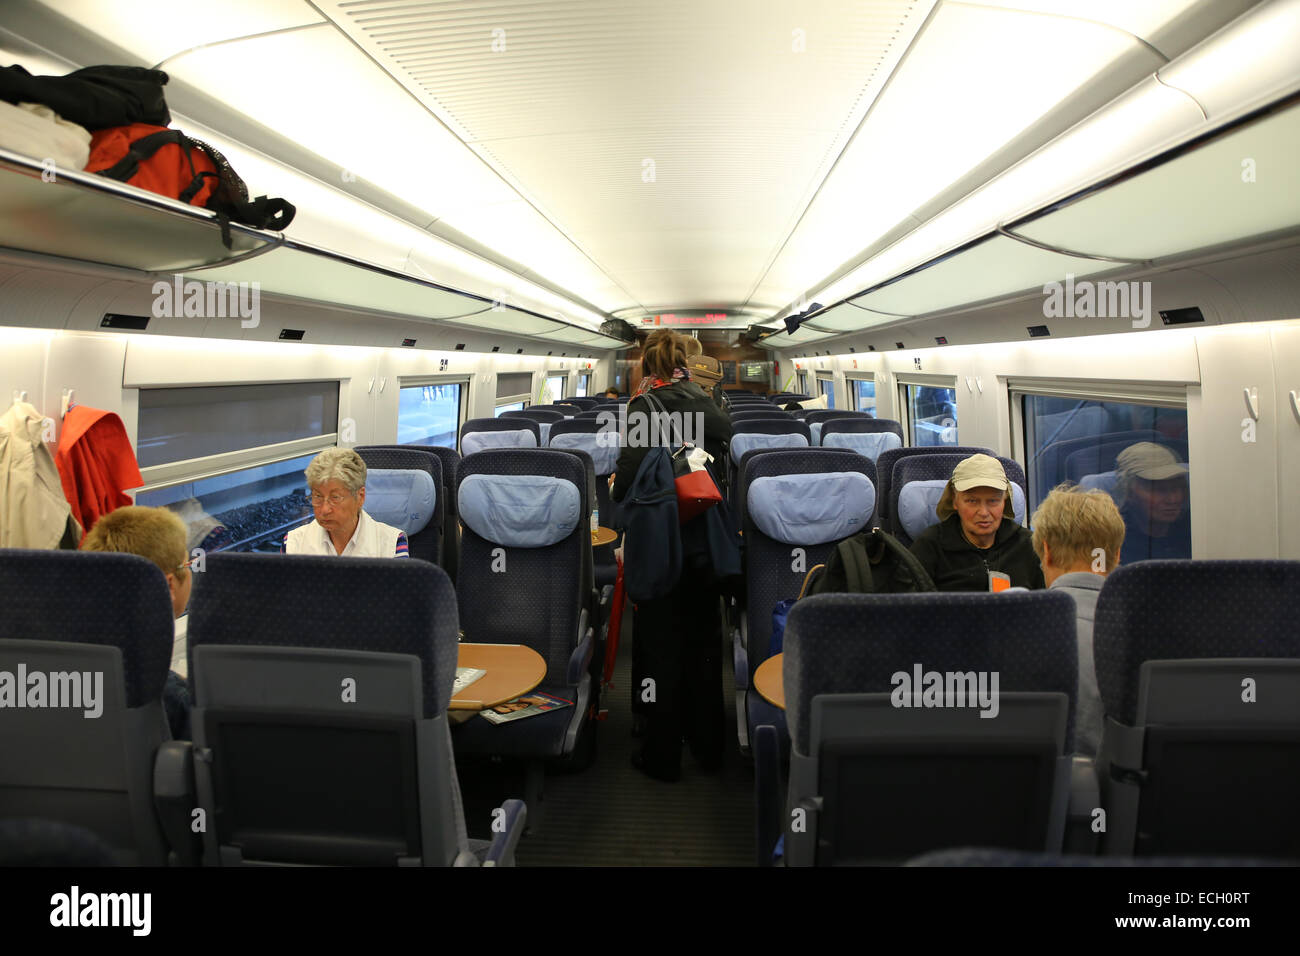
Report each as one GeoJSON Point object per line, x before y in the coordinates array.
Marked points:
{"type": "Point", "coordinates": [1295, 404]}
{"type": "Point", "coordinates": [1252, 401]}
{"type": "Point", "coordinates": [20, 394]}
{"type": "Point", "coordinates": [979, 382]}
{"type": "Point", "coordinates": [383, 383]}
{"type": "Point", "coordinates": [69, 400]}
{"type": "Point", "coordinates": [970, 384]}
{"type": "Point", "coordinates": [370, 387]}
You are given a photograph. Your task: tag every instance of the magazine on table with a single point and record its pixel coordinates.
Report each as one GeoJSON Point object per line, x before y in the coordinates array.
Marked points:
{"type": "Point", "coordinates": [464, 677]}
{"type": "Point", "coordinates": [528, 705]}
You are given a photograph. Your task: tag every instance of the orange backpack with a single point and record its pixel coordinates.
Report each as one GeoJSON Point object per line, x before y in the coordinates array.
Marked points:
{"type": "Point", "coordinates": [167, 162]}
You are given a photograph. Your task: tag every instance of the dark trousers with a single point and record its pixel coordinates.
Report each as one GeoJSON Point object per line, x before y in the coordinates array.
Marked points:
{"type": "Point", "coordinates": [678, 646]}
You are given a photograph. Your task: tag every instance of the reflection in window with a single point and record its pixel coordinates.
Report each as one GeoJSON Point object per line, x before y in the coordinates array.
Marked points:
{"type": "Point", "coordinates": [1135, 453]}
{"type": "Point", "coordinates": [513, 407]}
{"type": "Point", "coordinates": [826, 386]}
{"type": "Point", "coordinates": [428, 415]}
{"type": "Point", "coordinates": [584, 383]}
{"type": "Point", "coordinates": [932, 414]}
{"type": "Point", "coordinates": [554, 389]}
{"type": "Point", "coordinates": [248, 510]}
{"type": "Point", "coordinates": [863, 392]}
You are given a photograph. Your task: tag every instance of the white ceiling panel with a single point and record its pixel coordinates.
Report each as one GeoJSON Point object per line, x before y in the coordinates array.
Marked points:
{"type": "Point", "coordinates": [675, 143]}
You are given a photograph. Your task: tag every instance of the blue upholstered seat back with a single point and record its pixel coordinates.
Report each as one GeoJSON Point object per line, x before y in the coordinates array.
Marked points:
{"type": "Point", "coordinates": [855, 643]}
{"type": "Point", "coordinates": [513, 594]}
{"type": "Point", "coordinates": [483, 434]}
{"type": "Point", "coordinates": [327, 602]}
{"type": "Point", "coordinates": [82, 597]}
{"type": "Point", "coordinates": [885, 470]}
{"type": "Point", "coordinates": [797, 506]}
{"type": "Point", "coordinates": [1181, 610]}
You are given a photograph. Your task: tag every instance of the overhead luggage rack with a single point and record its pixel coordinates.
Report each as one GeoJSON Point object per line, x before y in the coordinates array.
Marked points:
{"type": "Point", "coordinates": [81, 216]}
{"type": "Point", "coordinates": [87, 218]}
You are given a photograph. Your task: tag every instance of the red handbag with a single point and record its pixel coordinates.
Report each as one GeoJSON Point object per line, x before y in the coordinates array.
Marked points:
{"type": "Point", "coordinates": [697, 492]}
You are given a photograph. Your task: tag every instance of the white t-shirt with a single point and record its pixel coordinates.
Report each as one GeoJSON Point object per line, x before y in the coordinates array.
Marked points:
{"type": "Point", "coordinates": [372, 539]}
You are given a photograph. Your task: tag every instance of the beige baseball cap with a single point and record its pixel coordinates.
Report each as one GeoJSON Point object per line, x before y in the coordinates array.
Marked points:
{"type": "Point", "coordinates": [980, 471]}
{"type": "Point", "coordinates": [1150, 461]}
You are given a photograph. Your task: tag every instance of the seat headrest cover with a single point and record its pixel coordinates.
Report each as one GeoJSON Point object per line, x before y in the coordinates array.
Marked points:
{"type": "Point", "coordinates": [868, 444]}
{"type": "Point", "coordinates": [472, 442]}
{"type": "Point", "coordinates": [808, 509]}
{"type": "Point", "coordinates": [602, 446]}
{"type": "Point", "coordinates": [916, 503]}
{"type": "Point", "coordinates": [742, 442]}
{"type": "Point", "coordinates": [402, 497]}
{"type": "Point", "coordinates": [520, 511]}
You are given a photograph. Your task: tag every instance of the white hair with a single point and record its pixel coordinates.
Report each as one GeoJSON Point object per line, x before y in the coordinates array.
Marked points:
{"type": "Point", "coordinates": [337, 464]}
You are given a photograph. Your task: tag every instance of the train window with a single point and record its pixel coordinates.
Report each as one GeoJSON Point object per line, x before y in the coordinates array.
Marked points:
{"type": "Point", "coordinates": [862, 394]}
{"type": "Point", "coordinates": [181, 424]}
{"type": "Point", "coordinates": [584, 384]}
{"type": "Point", "coordinates": [826, 386]}
{"type": "Point", "coordinates": [554, 389]}
{"type": "Point", "coordinates": [429, 414]}
{"type": "Point", "coordinates": [1136, 453]}
{"type": "Point", "coordinates": [932, 414]}
{"type": "Point", "coordinates": [247, 510]}
{"type": "Point", "coordinates": [512, 407]}
{"type": "Point", "coordinates": [803, 383]}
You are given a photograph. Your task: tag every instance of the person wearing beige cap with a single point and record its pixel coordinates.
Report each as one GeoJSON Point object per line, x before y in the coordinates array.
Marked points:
{"type": "Point", "coordinates": [1151, 492]}
{"type": "Point", "coordinates": [977, 532]}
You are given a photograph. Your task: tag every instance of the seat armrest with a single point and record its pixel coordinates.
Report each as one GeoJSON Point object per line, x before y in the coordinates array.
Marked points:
{"type": "Point", "coordinates": [175, 799]}
{"type": "Point", "coordinates": [768, 798]}
{"type": "Point", "coordinates": [580, 659]}
{"type": "Point", "coordinates": [741, 655]}
{"type": "Point", "coordinates": [1085, 797]}
{"type": "Point", "coordinates": [507, 834]}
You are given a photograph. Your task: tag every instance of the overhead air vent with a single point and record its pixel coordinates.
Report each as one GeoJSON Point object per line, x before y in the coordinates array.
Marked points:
{"type": "Point", "coordinates": [114, 320]}
{"type": "Point", "coordinates": [292, 335]}
{"type": "Point", "coordinates": [941, 340]}
{"type": "Point", "coordinates": [408, 343]}
{"type": "Point", "coordinates": [496, 348]}
{"type": "Point", "coordinates": [1181, 316]}
{"type": "Point", "coordinates": [519, 351]}
{"type": "Point", "coordinates": [460, 347]}
{"type": "Point", "coordinates": [871, 348]}
{"type": "Point", "coordinates": [898, 345]}
{"type": "Point", "coordinates": [1038, 331]}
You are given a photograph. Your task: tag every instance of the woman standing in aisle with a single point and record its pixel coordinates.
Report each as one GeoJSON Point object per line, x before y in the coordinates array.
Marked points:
{"type": "Point", "coordinates": [677, 638]}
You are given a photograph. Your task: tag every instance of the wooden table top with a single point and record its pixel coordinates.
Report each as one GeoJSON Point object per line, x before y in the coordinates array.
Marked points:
{"type": "Point", "coordinates": [512, 670]}
{"type": "Point", "coordinates": [769, 681]}
{"type": "Point", "coordinates": [603, 535]}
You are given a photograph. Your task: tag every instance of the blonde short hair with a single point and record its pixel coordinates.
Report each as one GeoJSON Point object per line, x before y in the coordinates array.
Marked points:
{"type": "Point", "coordinates": [153, 533]}
{"type": "Point", "coordinates": [1075, 523]}
{"type": "Point", "coordinates": [337, 464]}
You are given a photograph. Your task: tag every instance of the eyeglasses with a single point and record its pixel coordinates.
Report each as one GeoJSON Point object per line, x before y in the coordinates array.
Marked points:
{"type": "Point", "coordinates": [334, 500]}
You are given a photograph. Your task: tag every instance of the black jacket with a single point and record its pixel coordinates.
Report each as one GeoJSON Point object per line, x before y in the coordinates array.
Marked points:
{"type": "Point", "coordinates": [683, 398]}
{"type": "Point", "coordinates": [957, 565]}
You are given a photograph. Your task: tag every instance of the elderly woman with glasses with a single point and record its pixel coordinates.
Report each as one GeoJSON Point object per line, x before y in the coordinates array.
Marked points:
{"type": "Point", "coordinates": [337, 479]}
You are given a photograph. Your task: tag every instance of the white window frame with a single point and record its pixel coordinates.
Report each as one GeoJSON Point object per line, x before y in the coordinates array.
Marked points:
{"type": "Point", "coordinates": [417, 381]}
{"type": "Point", "coordinates": [902, 382]}
{"type": "Point", "coordinates": [851, 390]}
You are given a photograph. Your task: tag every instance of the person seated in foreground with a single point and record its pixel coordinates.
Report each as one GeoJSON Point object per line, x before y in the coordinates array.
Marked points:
{"type": "Point", "coordinates": [337, 479]}
{"type": "Point", "coordinates": [977, 532]}
{"type": "Point", "coordinates": [1078, 535]}
{"type": "Point", "coordinates": [160, 536]}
